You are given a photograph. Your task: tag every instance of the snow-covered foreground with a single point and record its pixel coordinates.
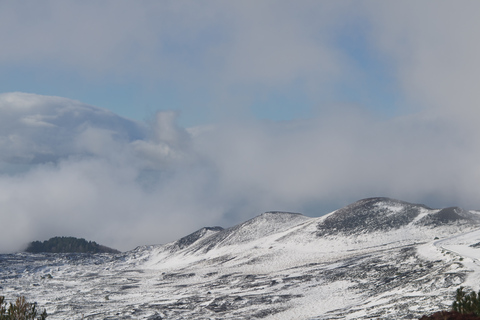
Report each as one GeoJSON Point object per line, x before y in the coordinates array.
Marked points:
{"type": "Point", "coordinates": [377, 258]}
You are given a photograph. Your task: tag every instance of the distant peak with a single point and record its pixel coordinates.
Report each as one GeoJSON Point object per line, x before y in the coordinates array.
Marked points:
{"type": "Point", "coordinates": [370, 214]}
{"type": "Point", "coordinates": [376, 200]}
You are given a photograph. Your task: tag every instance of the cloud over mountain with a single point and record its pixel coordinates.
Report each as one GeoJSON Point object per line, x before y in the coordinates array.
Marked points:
{"type": "Point", "coordinates": [73, 169]}
{"type": "Point", "coordinates": [68, 168]}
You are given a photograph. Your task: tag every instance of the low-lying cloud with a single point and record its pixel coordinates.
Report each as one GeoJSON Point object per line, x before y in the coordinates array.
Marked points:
{"type": "Point", "coordinates": [74, 169]}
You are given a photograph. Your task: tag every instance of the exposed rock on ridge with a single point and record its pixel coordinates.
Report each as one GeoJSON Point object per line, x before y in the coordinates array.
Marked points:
{"type": "Point", "coordinates": [368, 215]}
{"type": "Point", "coordinates": [194, 237]}
{"type": "Point", "coordinates": [384, 214]}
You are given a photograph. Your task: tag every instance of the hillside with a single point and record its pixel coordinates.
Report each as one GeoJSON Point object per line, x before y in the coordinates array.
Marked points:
{"type": "Point", "coordinates": [378, 258]}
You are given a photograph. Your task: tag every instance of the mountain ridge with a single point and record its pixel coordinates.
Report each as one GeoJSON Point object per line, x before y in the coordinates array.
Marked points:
{"type": "Point", "coordinates": [367, 223]}
{"type": "Point", "coordinates": [397, 261]}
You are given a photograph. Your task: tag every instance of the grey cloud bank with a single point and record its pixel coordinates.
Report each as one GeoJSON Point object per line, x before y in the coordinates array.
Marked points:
{"type": "Point", "coordinates": [123, 183]}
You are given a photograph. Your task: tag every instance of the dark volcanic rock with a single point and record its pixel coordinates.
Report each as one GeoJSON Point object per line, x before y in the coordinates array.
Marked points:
{"type": "Point", "coordinates": [194, 237]}
{"type": "Point", "coordinates": [447, 215]}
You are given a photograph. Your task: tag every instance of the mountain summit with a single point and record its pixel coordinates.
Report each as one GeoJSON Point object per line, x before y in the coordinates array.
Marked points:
{"type": "Point", "coordinates": [369, 215]}
{"type": "Point", "coordinates": [384, 214]}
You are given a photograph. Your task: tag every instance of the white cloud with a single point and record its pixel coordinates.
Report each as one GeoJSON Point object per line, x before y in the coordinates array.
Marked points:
{"type": "Point", "coordinates": [36, 128]}
{"type": "Point", "coordinates": [93, 174]}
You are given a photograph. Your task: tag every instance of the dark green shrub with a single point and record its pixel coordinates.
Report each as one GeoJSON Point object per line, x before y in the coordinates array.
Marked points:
{"type": "Point", "coordinates": [68, 245]}
{"type": "Point", "coordinates": [21, 310]}
{"type": "Point", "coordinates": [467, 303]}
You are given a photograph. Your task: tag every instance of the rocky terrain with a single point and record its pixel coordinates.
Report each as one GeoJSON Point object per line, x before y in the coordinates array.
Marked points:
{"type": "Point", "coordinates": [375, 259]}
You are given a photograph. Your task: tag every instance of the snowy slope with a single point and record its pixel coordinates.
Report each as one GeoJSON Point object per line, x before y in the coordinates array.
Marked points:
{"type": "Point", "coordinates": [376, 258]}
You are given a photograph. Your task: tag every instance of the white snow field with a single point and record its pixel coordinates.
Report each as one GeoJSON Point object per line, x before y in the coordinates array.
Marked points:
{"type": "Point", "coordinates": [375, 259]}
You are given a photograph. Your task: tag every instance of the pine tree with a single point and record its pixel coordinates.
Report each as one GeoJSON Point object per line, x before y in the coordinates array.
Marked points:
{"type": "Point", "coordinates": [467, 303]}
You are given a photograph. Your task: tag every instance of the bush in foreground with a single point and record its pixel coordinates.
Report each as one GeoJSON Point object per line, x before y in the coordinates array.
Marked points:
{"type": "Point", "coordinates": [467, 303]}
{"type": "Point", "coordinates": [450, 315]}
{"type": "Point", "coordinates": [466, 306]}
{"type": "Point", "coordinates": [21, 310]}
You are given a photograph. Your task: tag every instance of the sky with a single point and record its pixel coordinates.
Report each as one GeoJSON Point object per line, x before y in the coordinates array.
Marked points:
{"type": "Point", "coordinates": [138, 122]}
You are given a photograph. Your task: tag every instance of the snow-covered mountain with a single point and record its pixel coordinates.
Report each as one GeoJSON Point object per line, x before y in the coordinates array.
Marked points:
{"type": "Point", "coordinates": [376, 258]}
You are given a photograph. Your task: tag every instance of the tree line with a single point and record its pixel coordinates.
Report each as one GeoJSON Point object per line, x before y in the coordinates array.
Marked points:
{"type": "Point", "coordinates": [68, 245]}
